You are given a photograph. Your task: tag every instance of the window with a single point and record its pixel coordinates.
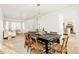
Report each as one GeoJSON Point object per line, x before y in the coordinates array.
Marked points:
{"type": "Point", "coordinates": [14, 25]}
{"type": "Point", "coordinates": [23, 25]}
{"type": "Point", "coordinates": [6, 25]}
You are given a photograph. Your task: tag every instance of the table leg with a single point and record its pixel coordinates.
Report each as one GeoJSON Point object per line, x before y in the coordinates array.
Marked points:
{"type": "Point", "coordinates": [46, 47]}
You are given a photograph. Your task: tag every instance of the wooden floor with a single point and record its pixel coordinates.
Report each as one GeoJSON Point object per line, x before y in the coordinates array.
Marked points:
{"type": "Point", "coordinates": [72, 45]}
{"type": "Point", "coordinates": [17, 44]}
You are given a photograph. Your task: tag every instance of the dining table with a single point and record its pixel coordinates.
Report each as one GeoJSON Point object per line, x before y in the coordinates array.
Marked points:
{"type": "Point", "coordinates": [46, 39]}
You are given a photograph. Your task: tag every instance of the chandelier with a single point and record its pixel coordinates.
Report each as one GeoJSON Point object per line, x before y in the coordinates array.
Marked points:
{"type": "Point", "coordinates": [37, 18]}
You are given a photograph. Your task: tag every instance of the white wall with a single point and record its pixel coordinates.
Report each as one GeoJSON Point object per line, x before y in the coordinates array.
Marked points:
{"type": "Point", "coordinates": [1, 28]}
{"type": "Point", "coordinates": [50, 23]}
{"type": "Point", "coordinates": [77, 24]}
{"type": "Point", "coordinates": [30, 25]}
{"type": "Point", "coordinates": [71, 13]}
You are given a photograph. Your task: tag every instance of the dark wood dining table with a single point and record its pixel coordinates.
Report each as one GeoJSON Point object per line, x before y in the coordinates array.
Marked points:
{"type": "Point", "coordinates": [46, 38]}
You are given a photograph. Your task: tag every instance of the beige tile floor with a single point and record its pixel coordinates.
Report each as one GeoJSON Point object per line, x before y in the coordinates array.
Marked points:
{"type": "Point", "coordinates": [17, 44]}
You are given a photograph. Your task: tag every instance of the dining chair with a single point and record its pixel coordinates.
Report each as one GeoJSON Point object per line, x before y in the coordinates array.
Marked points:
{"type": "Point", "coordinates": [61, 48]}
{"type": "Point", "coordinates": [28, 42]}
{"type": "Point", "coordinates": [37, 47]}
{"type": "Point", "coordinates": [53, 33]}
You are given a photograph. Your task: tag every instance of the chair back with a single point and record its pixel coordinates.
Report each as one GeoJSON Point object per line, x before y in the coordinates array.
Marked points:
{"type": "Point", "coordinates": [30, 41]}
{"type": "Point", "coordinates": [65, 41]}
{"type": "Point", "coordinates": [34, 40]}
{"type": "Point", "coordinates": [53, 33]}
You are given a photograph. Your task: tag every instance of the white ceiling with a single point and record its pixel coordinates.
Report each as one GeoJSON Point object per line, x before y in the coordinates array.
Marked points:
{"type": "Point", "coordinates": [27, 11]}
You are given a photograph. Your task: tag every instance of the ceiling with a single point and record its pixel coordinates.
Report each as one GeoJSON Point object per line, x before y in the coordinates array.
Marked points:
{"type": "Point", "coordinates": [28, 11]}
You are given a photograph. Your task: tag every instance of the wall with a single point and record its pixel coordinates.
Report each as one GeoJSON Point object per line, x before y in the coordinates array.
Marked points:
{"type": "Point", "coordinates": [30, 25]}
{"type": "Point", "coordinates": [49, 22]}
{"type": "Point", "coordinates": [1, 28]}
{"type": "Point", "coordinates": [71, 13]}
{"type": "Point", "coordinates": [77, 24]}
